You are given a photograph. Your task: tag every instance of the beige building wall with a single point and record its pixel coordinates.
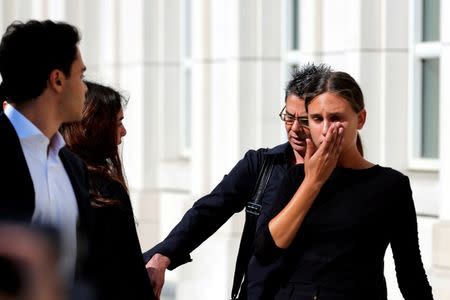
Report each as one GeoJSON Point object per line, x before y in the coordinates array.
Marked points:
{"type": "Point", "coordinates": [238, 64]}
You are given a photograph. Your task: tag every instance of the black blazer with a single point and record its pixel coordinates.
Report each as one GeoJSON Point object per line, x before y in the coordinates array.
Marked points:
{"type": "Point", "coordinates": [17, 196]}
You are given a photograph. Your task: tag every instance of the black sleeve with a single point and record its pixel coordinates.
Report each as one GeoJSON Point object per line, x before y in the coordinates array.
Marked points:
{"type": "Point", "coordinates": [411, 276]}
{"type": "Point", "coordinates": [266, 251]}
{"type": "Point", "coordinates": [210, 212]}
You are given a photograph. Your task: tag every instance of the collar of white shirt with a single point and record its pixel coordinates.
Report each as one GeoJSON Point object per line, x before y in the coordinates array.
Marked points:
{"type": "Point", "coordinates": [27, 131]}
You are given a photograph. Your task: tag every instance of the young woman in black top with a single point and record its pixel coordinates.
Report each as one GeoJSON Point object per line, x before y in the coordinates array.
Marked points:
{"type": "Point", "coordinates": [118, 265]}
{"type": "Point", "coordinates": [337, 213]}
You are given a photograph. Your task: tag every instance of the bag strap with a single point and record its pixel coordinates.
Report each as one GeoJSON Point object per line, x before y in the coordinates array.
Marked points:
{"type": "Point", "coordinates": [252, 212]}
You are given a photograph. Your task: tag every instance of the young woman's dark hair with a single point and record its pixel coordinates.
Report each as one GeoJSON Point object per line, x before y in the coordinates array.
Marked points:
{"type": "Point", "coordinates": [94, 138]}
{"type": "Point", "coordinates": [341, 84]}
{"type": "Point", "coordinates": [29, 52]}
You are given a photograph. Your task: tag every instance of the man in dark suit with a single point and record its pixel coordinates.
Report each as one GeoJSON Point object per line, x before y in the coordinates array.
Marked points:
{"type": "Point", "coordinates": [41, 181]}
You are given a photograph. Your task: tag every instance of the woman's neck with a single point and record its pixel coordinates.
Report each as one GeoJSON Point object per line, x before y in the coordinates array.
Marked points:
{"type": "Point", "coordinates": [352, 159]}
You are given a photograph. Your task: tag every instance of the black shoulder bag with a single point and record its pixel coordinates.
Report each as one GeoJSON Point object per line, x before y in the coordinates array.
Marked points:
{"type": "Point", "coordinates": [252, 212]}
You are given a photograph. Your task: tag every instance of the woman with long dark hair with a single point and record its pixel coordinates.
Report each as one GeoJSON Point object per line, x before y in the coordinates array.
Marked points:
{"type": "Point", "coordinates": [118, 265]}
{"type": "Point", "coordinates": [336, 214]}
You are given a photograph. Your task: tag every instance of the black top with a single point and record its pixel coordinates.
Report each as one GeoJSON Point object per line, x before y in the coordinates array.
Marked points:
{"type": "Point", "coordinates": [340, 246]}
{"type": "Point", "coordinates": [119, 268]}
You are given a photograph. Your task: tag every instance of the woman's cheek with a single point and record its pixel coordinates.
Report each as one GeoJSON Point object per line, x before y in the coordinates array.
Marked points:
{"type": "Point", "coordinates": [316, 133]}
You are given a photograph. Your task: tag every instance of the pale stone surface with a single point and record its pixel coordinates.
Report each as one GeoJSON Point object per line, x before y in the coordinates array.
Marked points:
{"type": "Point", "coordinates": [441, 245]}
{"type": "Point", "coordinates": [238, 74]}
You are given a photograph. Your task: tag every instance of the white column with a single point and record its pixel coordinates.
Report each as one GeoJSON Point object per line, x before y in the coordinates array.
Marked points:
{"type": "Point", "coordinates": [129, 67]}
{"type": "Point", "coordinates": [12, 10]}
{"type": "Point", "coordinates": [271, 87]}
{"type": "Point", "coordinates": [311, 30]}
{"type": "Point", "coordinates": [192, 283]}
{"type": "Point", "coordinates": [441, 230]}
{"type": "Point", "coordinates": [201, 33]}
{"type": "Point", "coordinates": [392, 101]}
{"type": "Point", "coordinates": [74, 13]}
{"type": "Point", "coordinates": [353, 44]}
{"type": "Point", "coordinates": [236, 69]}
{"type": "Point", "coordinates": [393, 94]}
{"type": "Point", "coordinates": [8, 14]}
{"type": "Point", "coordinates": [214, 115]}
{"type": "Point", "coordinates": [142, 74]}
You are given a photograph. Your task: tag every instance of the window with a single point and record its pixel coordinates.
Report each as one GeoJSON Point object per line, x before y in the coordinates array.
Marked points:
{"type": "Point", "coordinates": [293, 12]}
{"type": "Point", "coordinates": [425, 46]}
{"type": "Point", "coordinates": [292, 38]}
{"type": "Point", "coordinates": [186, 80]}
{"type": "Point", "coordinates": [430, 108]}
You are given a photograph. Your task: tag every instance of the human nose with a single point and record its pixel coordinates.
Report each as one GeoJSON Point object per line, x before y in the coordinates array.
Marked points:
{"type": "Point", "coordinates": [297, 125]}
{"type": "Point", "coordinates": [124, 131]}
{"type": "Point", "coordinates": [326, 126]}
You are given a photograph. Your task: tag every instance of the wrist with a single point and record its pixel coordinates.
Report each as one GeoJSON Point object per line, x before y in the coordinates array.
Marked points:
{"type": "Point", "coordinates": [312, 185]}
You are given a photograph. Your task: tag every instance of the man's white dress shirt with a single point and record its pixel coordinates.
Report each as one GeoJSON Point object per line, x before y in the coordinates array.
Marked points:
{"type": "Point", "coordinates": [55, 201]}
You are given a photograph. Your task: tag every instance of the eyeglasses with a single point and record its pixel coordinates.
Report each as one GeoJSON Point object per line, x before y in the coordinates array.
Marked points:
{"type": "Point", "coordinates": [290, 119]}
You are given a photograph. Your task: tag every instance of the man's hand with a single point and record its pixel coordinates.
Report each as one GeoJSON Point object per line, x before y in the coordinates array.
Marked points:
{"type": "Point", "coordinates": [156, 267]}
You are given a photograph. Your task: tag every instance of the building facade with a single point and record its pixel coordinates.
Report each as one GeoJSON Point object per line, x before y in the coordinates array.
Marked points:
{"type": "Point", "coordinates": [206, 78]}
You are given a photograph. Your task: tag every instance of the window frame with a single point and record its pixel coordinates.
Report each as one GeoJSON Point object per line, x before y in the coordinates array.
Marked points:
{"type": "Point", "coordinates": [418, 51]}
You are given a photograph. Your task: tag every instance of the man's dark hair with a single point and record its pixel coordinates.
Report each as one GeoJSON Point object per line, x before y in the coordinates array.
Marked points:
{"type": "Point", "coordinates": [303, 76]}
{"type": "Point", "coordinates": [29, 52]}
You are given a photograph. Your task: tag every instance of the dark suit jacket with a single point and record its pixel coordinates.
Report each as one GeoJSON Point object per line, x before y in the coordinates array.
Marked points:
{"type": "Point", "coordinates": [213, 210]}
{"type": "Point", "coordinates": [17, 197]}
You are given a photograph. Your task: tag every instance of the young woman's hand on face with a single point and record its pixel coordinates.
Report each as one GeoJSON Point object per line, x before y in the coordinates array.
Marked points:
{"type": "Point", "coordinates": [321, 161]}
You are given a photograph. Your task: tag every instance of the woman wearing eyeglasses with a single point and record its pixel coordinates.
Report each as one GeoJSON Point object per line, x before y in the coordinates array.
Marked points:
{"type": "Point", "coordinates": [335, 215]}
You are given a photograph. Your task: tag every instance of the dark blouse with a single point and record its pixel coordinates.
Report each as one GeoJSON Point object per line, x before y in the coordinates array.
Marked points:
{"type": "Point", "coordinates": [340, 246]}
{"type": "Point", "coordinates": [119, 267]}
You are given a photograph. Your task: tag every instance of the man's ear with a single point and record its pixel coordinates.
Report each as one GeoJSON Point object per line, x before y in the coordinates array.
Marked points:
{"type": "Point", "coordinates": [56, 80]}
{"type": "Point", "coordinates": [361, 118]}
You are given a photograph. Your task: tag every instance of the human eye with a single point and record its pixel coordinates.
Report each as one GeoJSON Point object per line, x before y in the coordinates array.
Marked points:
{"type": "Point", "coordinates": [316, 118]}
{"type": "Point", "coordinates": [289, 117]}
{"type": "Point", "coordinates": [303, 121]}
